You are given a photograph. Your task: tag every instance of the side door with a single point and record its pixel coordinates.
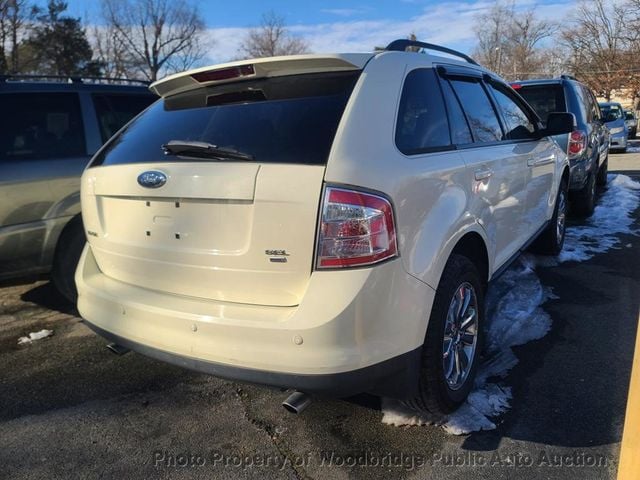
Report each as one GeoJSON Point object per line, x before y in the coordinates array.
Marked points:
{"type": "Point", "coordinates": [38, 146]}
{"type": "Point", "coordinates": [538, 157]}
{"type": "Point", "coordinates": [600, 129]}
{"type": "Point", "coordinates": [496, 169]}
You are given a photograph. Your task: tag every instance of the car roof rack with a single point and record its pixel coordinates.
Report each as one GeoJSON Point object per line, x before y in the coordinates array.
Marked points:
{"type": "Point", "coordinates": [83, 79]}
{"type": "Point", "coordinates": [401, 45]}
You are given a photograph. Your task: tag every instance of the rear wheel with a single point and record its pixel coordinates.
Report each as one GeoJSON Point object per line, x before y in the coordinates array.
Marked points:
{"type": "Point", "coordinates": [584, 201]}
{"type": "Point", "coordinates": [68, 251]}
{"type": "Point", "coordinates": [454, 339]}
{"type": "Point", "coordinates": [602, 174]}
{"type": "Point", "coordinates": [551, 240]}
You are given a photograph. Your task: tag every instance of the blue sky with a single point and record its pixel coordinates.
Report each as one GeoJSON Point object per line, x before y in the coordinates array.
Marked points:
{"type": "Point", "coordinates": [344, 26]}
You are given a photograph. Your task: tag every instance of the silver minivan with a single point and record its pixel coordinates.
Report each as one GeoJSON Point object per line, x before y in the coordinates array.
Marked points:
{"type": "Point", "coordinates": [54, 125]}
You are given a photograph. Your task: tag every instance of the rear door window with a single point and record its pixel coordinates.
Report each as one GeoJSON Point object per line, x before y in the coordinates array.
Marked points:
{"type": "Point", "coordinates": [41, 126]}
{"type": "Point", "coordinates": [544, 99]}
{"type": "Point", "coordinates": [115, 110]}
{"type": "Point", "coordinates": [422, 118]}
{"type": "Point", "coordinates": [290, 119]}
{"type": "Point", "coordinates": [480, 112]}
{"type": "Point", "coordinates": [460, 132]}
{"type": "Point", "coordinates": [518, 124]}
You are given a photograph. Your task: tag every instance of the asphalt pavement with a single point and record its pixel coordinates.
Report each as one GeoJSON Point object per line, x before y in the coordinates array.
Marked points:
{"type": "Point", "coordinates": [71, 409]}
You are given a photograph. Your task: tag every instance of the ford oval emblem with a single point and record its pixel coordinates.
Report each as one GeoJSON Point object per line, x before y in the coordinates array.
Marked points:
{"type": "Point", "coordinates": [152, 179]}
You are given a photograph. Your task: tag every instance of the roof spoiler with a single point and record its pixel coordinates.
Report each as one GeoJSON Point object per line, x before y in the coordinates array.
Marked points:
{"type": "Point", "coordinates": [257, 68]}
{"type": "Point", "coordinates": [402, 45]}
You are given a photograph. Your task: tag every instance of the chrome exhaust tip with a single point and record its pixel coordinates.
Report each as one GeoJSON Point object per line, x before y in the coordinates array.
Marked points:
{"type": "Point", "coordinates": [118, 349]}
{"type": "Point", "coordinates": [297, 402]}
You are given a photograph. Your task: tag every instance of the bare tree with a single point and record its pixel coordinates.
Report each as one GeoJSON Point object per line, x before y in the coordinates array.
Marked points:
{"type": "Point", "coordinates": [509, 42]}
{"type": "Point", "coordinates": [271, 39]}
{"type": "Point", "coordinates": [153, 35]}
{"type": "Point", "coordinates": [14, 23]}
{"type": "Point", "coordinates": [598, 44]}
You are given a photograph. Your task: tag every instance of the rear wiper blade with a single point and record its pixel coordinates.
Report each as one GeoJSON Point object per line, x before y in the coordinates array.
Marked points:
{"type": "Point", "coordinates": [186, 147]}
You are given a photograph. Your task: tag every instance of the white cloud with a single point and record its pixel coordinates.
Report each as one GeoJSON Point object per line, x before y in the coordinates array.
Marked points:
{"type": "Point", "coordinates": [449, 23]}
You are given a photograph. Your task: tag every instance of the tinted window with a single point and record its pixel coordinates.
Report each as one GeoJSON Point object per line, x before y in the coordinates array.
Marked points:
{"type": "Point", "coordinates": [629, 116]}
{"type": "Point", "coordinates": [41, 125]}
{"type": "Point", "coordinates": [460, 132]}
{"type": "Point", "coordinates": [289, 119]}
{"type": "Point", "coordinates": [115, 110]}
{"type": "Point", "coordinates": [544, 99]}
{"type": "Point", "coordinates": [482, 117]}
{"type": "Point", "coordinates": [422, 119]}
{"type": "Point", "coordinates": [518, 124]}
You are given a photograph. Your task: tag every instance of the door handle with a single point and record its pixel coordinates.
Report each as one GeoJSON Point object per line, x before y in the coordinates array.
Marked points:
{"type": "Point", "coordinates": [483, 173]}
{"type": "Point", "coordinates": [536, 162]}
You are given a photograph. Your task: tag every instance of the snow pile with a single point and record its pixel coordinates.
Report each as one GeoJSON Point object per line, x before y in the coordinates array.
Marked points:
{"type": "Point", "coordinates": [515, 317]}
{"type": "Point", "coordinates": [612, 217]}
{"type": "Point", "coordinates": [35, 336]}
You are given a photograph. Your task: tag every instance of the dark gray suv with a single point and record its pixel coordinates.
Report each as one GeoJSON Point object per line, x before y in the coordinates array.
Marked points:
{"type": "Point", "coordinates": [52, 127]}
{"type": "Point", "coordinates": [587, 146]}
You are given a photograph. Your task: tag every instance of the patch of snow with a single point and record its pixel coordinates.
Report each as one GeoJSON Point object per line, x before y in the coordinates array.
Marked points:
{"type": "Point", "coordinates": [611, 218]}
{"type": "Point", "coordinates": [515, 315]}
{"type": "Point", "coordinates": [35, 336]}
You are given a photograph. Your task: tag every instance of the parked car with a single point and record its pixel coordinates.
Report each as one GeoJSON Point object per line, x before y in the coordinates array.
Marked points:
{"type": "Point", "coordinates": [631, 122]}
{"type": "Point", "coordinates": [614, 118]}
{"type": "Point", "coordinates": [52, 128]}
{"type": "Point", "coordinates": [587, 146]}
{"type": "Point", "coordinates": [326, 223]}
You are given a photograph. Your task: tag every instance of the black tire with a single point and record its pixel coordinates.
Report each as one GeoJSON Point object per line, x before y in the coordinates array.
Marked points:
{"type": "Point", "coordinates": [601, 180]}
{"type": "Point", "coordinates": [435, 396]}
{"type": "Point", "coordinates": [584, 201]}
{"type": "Point", "coordinates": [65, 261]}
{"type": "Point", "coordinates": [551, 240]}
{"type": "Point", "coordinates": [623, 150]}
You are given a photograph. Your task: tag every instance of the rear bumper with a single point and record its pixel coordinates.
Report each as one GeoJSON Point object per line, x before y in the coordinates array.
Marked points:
{"type": "Point", "coordinates": [393, 377]}
{"type": "Point", "coordinates": [354, 331]}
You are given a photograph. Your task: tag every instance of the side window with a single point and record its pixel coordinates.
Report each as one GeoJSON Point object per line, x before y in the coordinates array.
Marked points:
{"type": "Point", "coordinates": [115, 110]}
{"type": "Point", "coordinates": [588, 104]}
{"type": "Point", "coordinates": [42, 126]}
{"type": "Point", "coordinates": [582, 104]}
{"type": "Point", "coordinates": [597, 114]}
{"type": "Point", "coordinates": [460, 133]}
{"type": "Point", "coordinates": [476, 104]}
{"type": "Point", "coordinates": [422, 119]}
{"type": "Point", "coordinates": [519, 125]}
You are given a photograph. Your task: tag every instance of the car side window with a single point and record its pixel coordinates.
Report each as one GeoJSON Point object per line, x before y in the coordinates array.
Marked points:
{"type": "Point", "coordinates": [460, 132]}
{"type": "Point", "coordinates": [518, 124]}
{"type": "Point", "coordinates": [42, 126]}
{"type": "Point", "coordinates": [597, 114]}
{"type": "Point", "coordinates": [476, 104]}
{"type": "Point", "coordinates": [115, 110]}
{"type": "Point", "coordinates": [422, 120]}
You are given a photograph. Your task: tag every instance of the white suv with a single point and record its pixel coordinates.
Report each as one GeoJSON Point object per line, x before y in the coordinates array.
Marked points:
{"type": "Point", "coordinates": [327, 223]}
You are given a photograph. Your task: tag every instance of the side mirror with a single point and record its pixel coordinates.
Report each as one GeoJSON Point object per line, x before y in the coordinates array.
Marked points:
{"type": "Point", "coordinates": [559, 123]}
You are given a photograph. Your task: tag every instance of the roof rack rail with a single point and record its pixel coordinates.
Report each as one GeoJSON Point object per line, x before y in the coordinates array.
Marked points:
{"type": "Point", "coordinates": [568, 77]}
{"type": "Point", "coordinates": [72, 79]}
{"type": "Point", "coordinates": [402, 45]}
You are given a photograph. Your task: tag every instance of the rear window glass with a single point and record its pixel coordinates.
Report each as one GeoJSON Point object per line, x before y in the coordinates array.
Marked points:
{"type": "Point", "coordinates": [422, 118]}
{"type": "Point", "coordinates": [290, 119]}
{"type": "Point", "coordinates": [115, 110]}
{"type": "Point", "coordinates": [544, 99]}
{"type": "Point", "coordinates": [41, 126]}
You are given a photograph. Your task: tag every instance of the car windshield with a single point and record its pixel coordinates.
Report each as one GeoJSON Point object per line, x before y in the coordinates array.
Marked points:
{"type": "Point", "coordinates": [290, 119]}
{"type": "Point", "coordinates": [629, 116]}
{"type": "Point", "coordinates": [611, 112]}
{"type": "Point", "coordinates": [544, 99]}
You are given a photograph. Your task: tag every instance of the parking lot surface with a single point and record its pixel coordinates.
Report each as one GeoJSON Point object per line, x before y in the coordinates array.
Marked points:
{"type": "Point", "coordinates": [71, 408]}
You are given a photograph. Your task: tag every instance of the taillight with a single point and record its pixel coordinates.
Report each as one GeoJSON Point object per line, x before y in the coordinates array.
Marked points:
{"type": "Point", "coordinates": [356, 229]}
{"type": "Point", "coordinates": [577, 143]}
{"type": "Point", "coordinates": [224, 74]}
